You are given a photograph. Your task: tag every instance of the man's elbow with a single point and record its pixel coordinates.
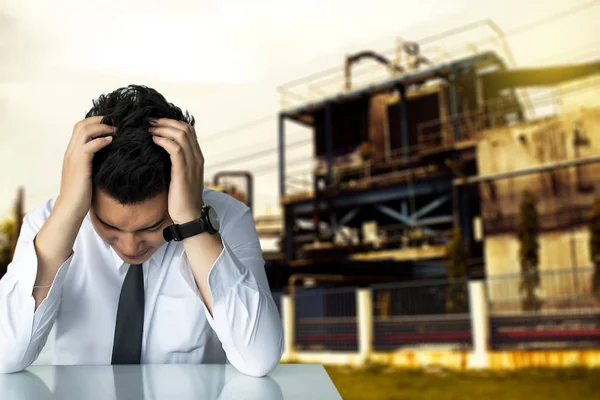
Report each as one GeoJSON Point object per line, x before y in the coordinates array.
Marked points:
{"type": "Point", "coordinates": [9, 366]}
{"type": "Point", "coordinates": [260, 368]}
{"type": "Point", "coordinates": [11, 360]}
{"type": "Point", "coordinates": [263, 362]}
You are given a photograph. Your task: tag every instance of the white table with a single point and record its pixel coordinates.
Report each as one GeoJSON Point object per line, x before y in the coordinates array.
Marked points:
{"type": "Point", "coordinates": [176, 381]}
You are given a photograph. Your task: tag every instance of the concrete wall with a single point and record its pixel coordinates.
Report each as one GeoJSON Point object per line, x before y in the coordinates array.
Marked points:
{"type": "Point", "coordinates": [560, 201]}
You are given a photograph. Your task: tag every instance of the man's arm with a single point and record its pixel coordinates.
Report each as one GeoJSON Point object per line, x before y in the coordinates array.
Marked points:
{"type": "Point", "coordinates": [53, 246]}
{"type": "Point", "coordinates": [30, 290]}
{"type": "Point", "coordinates": [229, 272]}
{"type": "Point", "coordinates": [26, 316]}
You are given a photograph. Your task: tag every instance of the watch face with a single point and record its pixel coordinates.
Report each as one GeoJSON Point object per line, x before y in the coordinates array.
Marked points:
{"type": "Point", "coordinates": [213, 219]}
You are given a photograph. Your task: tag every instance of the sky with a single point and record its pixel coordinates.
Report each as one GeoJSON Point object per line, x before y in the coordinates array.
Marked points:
{"type": "Point", "coordinates": [222, 61]}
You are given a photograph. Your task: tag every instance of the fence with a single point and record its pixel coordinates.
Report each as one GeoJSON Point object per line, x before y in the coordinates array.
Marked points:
{"type": "Point", "coordinates": [326, 319]}
{"type": "Point", "coordinates": [421, 313]}
{"type": "Point", "coordinates": [449, 314]}
{"type": "Point", "coordinates": [565, 312]}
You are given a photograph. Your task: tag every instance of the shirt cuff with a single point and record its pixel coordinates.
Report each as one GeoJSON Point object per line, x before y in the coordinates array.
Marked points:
{"type": "Point", "coordinates": [226, 273]}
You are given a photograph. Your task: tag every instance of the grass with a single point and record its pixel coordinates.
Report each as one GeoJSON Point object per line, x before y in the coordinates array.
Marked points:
{"type": "Point", "coordinates": [381, 383]}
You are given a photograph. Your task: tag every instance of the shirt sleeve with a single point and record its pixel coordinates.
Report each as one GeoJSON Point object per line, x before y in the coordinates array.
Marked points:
{"type": "Point", "coordinates": [23, 329]}
{"type": "Point", "coordinates": [245, 317]}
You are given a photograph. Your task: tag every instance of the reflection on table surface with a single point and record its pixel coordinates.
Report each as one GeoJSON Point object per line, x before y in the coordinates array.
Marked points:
{"type": "Point", "coordinates": [166, 382]}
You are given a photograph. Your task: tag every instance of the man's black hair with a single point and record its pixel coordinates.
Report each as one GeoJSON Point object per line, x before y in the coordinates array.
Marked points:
{"type": "Point", "coordinates": [133, 168]}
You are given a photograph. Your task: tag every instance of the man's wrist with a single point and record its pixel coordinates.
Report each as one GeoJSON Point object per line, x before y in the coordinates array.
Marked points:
{"type": "Point", "coordinates": [189, 216]}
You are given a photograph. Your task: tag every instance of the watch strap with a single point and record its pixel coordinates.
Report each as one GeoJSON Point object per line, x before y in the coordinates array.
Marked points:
{"type": "Point", "coordinates": [182, 231]}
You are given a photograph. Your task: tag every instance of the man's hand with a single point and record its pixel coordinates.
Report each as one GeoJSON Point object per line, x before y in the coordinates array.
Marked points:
{"type": "Point", "coordinates": [187, 167]}
{"type": "Point", "coordinates": [89, 136]}
{"type": "Point", "coordinates": [54, 242]}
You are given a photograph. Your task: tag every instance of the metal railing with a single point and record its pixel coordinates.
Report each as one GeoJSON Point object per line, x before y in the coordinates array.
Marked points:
{"type": "Point", "coordinates": [564, 290]}
{"type": "Point", "coordinates": [354, 167]}
{"type": "Point", "coordinates": [566, 311]}
{"type": "Point", "coordinates": [565, 218]}
{"type": "Point", "coordinates": [441, 48]}
{"type": "Point", "coordinates": [431, 314]}
{"type": "Point", "coordinates": [326, 319]}
{"type": "Point", "coordinates": [421, 313]}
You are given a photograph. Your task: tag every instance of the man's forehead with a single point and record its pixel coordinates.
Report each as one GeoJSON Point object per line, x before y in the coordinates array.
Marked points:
{"type": "Point", "coordinates": [131, 222]}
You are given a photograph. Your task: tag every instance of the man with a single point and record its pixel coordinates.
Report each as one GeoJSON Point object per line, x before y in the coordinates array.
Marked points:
{"type": "Point", "coordinates": [135, 261]}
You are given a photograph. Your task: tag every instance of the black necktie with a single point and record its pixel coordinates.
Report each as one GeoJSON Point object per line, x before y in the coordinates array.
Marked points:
{"type": "Point", "coordinates": [127, 345]}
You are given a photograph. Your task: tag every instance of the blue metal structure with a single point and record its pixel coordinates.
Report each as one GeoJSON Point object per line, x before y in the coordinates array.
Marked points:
{"type": "Point", "coordinates": [408, 193]}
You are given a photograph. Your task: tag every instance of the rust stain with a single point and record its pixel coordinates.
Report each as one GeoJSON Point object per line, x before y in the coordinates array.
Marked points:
{"type": "Point", "coordinates": [498, 360]}
{"type": "Point", "coordinates": [544, 358]}
{"type": "Point", "coordinates": [561, 359]}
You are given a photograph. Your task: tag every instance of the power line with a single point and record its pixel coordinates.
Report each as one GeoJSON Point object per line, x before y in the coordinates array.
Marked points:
{"type": "Point", "coordinates": [225, 132]}
{"type": "Point", "coordinates": [270, 167]}
{"type": "Point", "coordinates": [258, 155]}
{"type": "Point", "coordinates": [554, 17]}
{"type": "Point", "coordinates": [515, 31]}
{"type": "Point", "coordinates": [391, 51]}
{"type": "Point", "coordinates": [272, 151]}
{"type": "Point", "coordinates": [540, 99]}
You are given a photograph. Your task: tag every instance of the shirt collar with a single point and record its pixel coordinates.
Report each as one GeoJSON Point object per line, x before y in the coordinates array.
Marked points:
{"type": "Point", "coordinates": [157, 257]}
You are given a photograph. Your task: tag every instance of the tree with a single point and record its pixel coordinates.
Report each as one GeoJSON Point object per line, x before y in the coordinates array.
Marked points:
{"type": "Point", "coordinates": [594, 226]}
{"type": "Point", "coordinates": [456, 256]}
{"type": "Point", "coordinates": [528, 231]}
{"type": "Point", "coordinates": [7, 228]}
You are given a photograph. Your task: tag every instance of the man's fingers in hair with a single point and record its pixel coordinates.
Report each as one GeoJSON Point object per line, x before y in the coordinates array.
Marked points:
{"type": "Point", "coordinates": [173, 123]}
{"type": "Point", "coordinates": [97, 144]}
{"type": "Point", "coordinates": [175, 151]}
{"type": "Point", "coordinates": [181, 126]}
{"type": "Point", "coordinates": [178, 136]}
{"type": "Point", "coordinates": [91, 132]}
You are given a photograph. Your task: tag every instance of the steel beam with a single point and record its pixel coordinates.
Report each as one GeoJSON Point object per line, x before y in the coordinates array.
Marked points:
{"type": "Point", "coordinates": [349, 216]}
{"type": "Point", "coordinates": [281, 133]}
{"type": "Point", "coordinates": [390, 212]}
{"type": "Point", "coordinates": [376, 196]}
{"type": "Point", "coordinates": [404, 123]}
{"type": "Point", "coordinates": [404, 208]}
{"type": "Point", "coordinates": [431, 206]}
{"type": "Point", "coordinates": [329, 141]}
{"type": "Point", "coordinates": [289, 234]}
{"type": "Point", "coordinates": [465, 215]}
{"type": "Point", "coordinates": [455, 108]}
{"type": "Point", "coordinates": [442, 219]}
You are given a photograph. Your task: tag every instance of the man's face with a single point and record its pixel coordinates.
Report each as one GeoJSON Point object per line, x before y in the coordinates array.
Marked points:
{"type": "Point", "coordinates": [133, 231]}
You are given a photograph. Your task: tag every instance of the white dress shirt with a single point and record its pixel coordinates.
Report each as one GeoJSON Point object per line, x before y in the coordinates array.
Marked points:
{"type": "Point", "coordinates": [245, 329]}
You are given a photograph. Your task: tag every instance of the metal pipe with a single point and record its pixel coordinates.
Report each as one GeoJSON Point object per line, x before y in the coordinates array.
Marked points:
{"type": "Point", "coordinates": [406, 79]}
{"type": "Point", "coordinates": [525, 171]}
{"type": "Point", "coordinates": [336, 278]}
{"type": "Point", "coordinates": [351, 59]}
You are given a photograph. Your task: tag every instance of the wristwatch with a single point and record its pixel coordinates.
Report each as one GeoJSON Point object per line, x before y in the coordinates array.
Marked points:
{"type": "Point", "coordinates": [208, 222]}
